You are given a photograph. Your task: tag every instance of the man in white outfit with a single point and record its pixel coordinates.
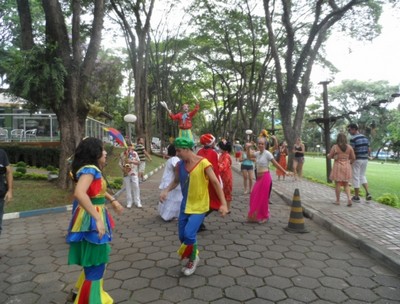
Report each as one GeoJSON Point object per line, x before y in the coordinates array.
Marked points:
{"type": "Point", "coordinates": [129, 163]}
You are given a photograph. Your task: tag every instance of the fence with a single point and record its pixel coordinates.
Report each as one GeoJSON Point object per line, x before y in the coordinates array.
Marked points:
{"type": "Point", "coordinates": [42, 127]}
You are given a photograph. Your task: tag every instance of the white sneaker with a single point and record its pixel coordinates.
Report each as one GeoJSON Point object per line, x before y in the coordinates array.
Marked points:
{"type": "Point", "coordinates": [129, 206]}
{"type": "Point", "coordinates": [139, 205]}
{"type": "Point", "coordinates": [191, 266]}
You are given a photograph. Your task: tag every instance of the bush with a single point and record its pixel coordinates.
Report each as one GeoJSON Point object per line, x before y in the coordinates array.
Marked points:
{"type": "Point", "coordinates": [51, 168]}
{"type": "Point", "coordinates": [21, 170]}
{"type": "Point", "coordinates": [20, 164]}
{"type": "Point", "coordinates": [389, 200]}
{"type": "Point", "coordinates": [116, 184]}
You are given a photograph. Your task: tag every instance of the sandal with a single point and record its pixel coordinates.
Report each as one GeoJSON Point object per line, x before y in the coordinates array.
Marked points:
{"type": "Point", "coordinates": [336, 203]}
{"type": "Point", "coordinates": [349, 204]}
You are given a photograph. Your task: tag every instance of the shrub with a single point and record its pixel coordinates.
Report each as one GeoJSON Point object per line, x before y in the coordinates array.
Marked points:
{"type": "Point", "coordinates": [116, 184]}
{"type": "Point", "coordinates": [389, 199]}
{"type": "Point", "coordinates": [21, 170]}
{"type": "Point", "coordinates": [20, 164]}
{"type": "Point", "coordinates": [51, 168]}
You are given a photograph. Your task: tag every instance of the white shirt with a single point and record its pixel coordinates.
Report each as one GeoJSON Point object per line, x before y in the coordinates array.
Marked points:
{"type": "Point", "coordinates": [262, 160]}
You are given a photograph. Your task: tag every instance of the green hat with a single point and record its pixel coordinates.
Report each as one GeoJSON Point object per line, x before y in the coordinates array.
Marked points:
{"type": "Point", "coordinates": [183, 142]}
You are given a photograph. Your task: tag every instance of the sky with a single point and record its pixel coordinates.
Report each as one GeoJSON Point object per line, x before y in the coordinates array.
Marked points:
{"type": "Point", "coordinates": [376, 60]}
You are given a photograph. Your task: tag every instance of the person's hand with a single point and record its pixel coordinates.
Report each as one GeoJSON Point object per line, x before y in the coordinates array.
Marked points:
{"type": "Point", "coordinates": [118, 208]}
{"type": "Point", "coordinates": [163, 195]}
{"type": "Point", "coordinates": [100, 228]}
{"type": "Point", "coordinates": [223, 210]}
{"type": "Point", "coordinates": [288, 173]}
{"type": "Point", "coordinates": [9, 197]}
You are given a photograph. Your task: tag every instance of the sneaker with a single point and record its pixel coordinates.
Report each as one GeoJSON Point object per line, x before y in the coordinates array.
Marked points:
{"type": "Point", "coordinates": [369, 197]}
{"type": "Point", "coordinates": [129, 206]}
{"type": "Point", "coordinates": [356, 199]}
{"type": "Point", "coordinates": [191, 266]}
{"type": "Point", "coordinates": [139, 205]}
{"type": "Point", "coordinates": [72, 296]}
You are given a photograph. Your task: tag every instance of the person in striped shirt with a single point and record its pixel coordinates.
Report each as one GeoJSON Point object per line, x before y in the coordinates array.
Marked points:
{"type": "Point", "coordinates": [360, 144]}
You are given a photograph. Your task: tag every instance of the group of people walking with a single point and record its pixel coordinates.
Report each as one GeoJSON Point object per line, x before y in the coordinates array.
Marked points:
{"type": "Point", "coordinates": [350, 165]}
{"type": "Point", "coordinates": [192, 186]}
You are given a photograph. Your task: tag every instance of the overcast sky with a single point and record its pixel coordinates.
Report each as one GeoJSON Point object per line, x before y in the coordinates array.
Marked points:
{"type": "Point", "coordinates": [376, 60]}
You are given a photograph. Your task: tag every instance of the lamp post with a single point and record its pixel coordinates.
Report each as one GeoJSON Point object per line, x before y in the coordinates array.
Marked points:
{"type": "Point", "coordinates": [273, 121]}
{"type": "Point", "coordinates": [318, 146]}
{"type": "Point", "coordinates": [130, 119]}
{"type": "Point", "coordinates": [326, 127]}
{"type": "Point", "coordinates": [386, 153]}
{"type": "Point", "coordinates": [326, 123]}
{"type": "Point", "coordinates": [249, 132]}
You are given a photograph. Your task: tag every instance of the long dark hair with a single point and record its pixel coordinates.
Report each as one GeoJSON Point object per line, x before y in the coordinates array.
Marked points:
{"type": "Point", "coordinates": [88, 152]}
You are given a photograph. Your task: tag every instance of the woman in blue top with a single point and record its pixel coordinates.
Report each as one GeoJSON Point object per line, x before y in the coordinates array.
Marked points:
{"type": "Point", "coordinates": [247, 168]}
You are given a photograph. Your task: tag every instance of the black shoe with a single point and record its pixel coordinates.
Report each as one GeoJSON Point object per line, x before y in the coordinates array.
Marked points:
{"type": "Point", "coordinates": [356, 199]}
{"type": "Point", "coordinates": [369, 197]}
{"type": "Point", "coordinates": [72, 296]}
{"type": "Point", "coordinates": [202, 228]}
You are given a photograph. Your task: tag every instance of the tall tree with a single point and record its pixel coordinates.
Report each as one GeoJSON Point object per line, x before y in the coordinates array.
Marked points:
{"type": "Point", "coordinates": [55, 73]}
{"type": "Point", "coordinates": [134, 18]}
{"type": "Point", "coordinates": [297, 31]}
{"type": "Point", "coordinates": [232, 45]}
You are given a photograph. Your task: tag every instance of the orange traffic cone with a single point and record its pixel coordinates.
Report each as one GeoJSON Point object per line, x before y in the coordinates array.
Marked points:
{"type": "Point", "coordinates": [296, 220]}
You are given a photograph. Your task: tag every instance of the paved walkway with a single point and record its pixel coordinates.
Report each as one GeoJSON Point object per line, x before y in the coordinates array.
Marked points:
{"type": "Point", "coordinates": [240, 262]}
{"type": "Point", "coordinates": [372, 227]}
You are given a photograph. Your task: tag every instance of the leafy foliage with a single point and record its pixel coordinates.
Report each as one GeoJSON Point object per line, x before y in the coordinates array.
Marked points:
{"type": "Point", "coordinates": [390, 200]}
{"type": "Point", "coordinates": [37, 75]}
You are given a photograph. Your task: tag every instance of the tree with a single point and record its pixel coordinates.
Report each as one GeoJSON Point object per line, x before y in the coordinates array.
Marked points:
{"type": "Point", "coordinates": [297, 31]}
{"type": "Point", "coordinates": [134, 19]}
{"type": "Point", "coordinates": [55, 72]}
{"type": "Point", "coordinates": [364, 103]}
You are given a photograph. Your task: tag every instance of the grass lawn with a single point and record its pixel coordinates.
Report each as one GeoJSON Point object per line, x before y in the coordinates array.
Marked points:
{"type": "Point", "coordinates": [38, 194]}
{"type": "Point", "coordinates": [382, 177]}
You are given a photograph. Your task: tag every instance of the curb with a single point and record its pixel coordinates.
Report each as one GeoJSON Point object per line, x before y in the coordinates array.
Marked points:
{"type": "Point", "coordinates": [23, 214]}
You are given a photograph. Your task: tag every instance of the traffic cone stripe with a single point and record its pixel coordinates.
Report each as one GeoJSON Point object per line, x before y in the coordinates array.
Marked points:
{"type": "Point", "coordinates": [296, 221]}
{"type": "Point", "coordinates": [297, 209]}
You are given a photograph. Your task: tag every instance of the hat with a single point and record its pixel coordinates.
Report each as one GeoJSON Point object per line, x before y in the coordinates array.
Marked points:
{"type": "Point", "coordinates": [183, 142]}
{"type": "Point", "coordinates": [264, 133]}
{"type": "Point", "coordinates": [207, 139]}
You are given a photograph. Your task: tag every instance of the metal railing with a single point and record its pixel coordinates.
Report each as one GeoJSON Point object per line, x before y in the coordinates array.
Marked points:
{"type": "Point", "coordinates": [42, 127]}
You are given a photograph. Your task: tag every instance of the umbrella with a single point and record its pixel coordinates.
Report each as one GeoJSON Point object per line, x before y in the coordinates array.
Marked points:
{"type": "Point", "coordinates": [117, 136]}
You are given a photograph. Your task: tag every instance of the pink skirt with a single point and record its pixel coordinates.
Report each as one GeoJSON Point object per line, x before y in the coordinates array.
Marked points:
{"type": "Point", "coordinates": [259, 199]}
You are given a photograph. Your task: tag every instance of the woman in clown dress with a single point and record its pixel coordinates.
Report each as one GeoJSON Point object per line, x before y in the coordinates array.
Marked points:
{"type": "Point", "coordinates": [225, 168]}
{"type": "Point", "coordinates": [90, 229]}
{"type": "Point", "coordinates": [193, 173]}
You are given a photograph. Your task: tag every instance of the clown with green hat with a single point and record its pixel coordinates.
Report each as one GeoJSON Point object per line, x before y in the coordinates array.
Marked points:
{"type": "Point", "coordinates": [193, 173]}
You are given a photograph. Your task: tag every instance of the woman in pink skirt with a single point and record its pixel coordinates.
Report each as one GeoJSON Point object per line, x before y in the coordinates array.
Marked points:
{"type": "Point", "coordinates": [259, 198]}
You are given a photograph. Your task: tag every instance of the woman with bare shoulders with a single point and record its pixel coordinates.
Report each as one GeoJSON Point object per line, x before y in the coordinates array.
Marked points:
{"type": "Point", "coordinates": [298, 159]}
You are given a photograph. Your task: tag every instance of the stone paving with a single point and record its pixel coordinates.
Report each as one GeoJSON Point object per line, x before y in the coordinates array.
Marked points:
{"type": "Point", "coordinates": [240, 262]}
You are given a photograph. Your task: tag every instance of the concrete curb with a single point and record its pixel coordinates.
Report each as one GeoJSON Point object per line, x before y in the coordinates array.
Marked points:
{"type": "Point", "coordinates": [23, 214]}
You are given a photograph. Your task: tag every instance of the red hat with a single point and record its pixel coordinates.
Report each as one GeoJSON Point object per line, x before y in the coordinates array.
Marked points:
{"type": "Point", "coordinates": [207, 139]}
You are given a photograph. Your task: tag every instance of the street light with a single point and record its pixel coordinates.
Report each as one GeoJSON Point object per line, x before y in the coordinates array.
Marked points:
{"type": "Point", "coordinates": [318, 146]}
{"type": "Point", "coordinates": [249, 132]}
{"type": "Point", "coordinates": [386, 153]}
{"type": "Point", "coordinates": [130, 119]}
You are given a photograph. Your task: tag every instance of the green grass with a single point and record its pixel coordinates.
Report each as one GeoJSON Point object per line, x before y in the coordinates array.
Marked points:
{"type": "Point", "coordinates": [39, 194]}
{"type": "Point", "coordinates": [382, 177]}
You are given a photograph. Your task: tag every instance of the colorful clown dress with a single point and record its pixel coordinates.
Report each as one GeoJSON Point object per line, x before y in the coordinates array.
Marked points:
{"type": "Point", "coordinates": [185, 122]}
{"type": "Point", "coordinates": [194, 206]}
{"type": "Point", "coordinates": [86, 249]}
